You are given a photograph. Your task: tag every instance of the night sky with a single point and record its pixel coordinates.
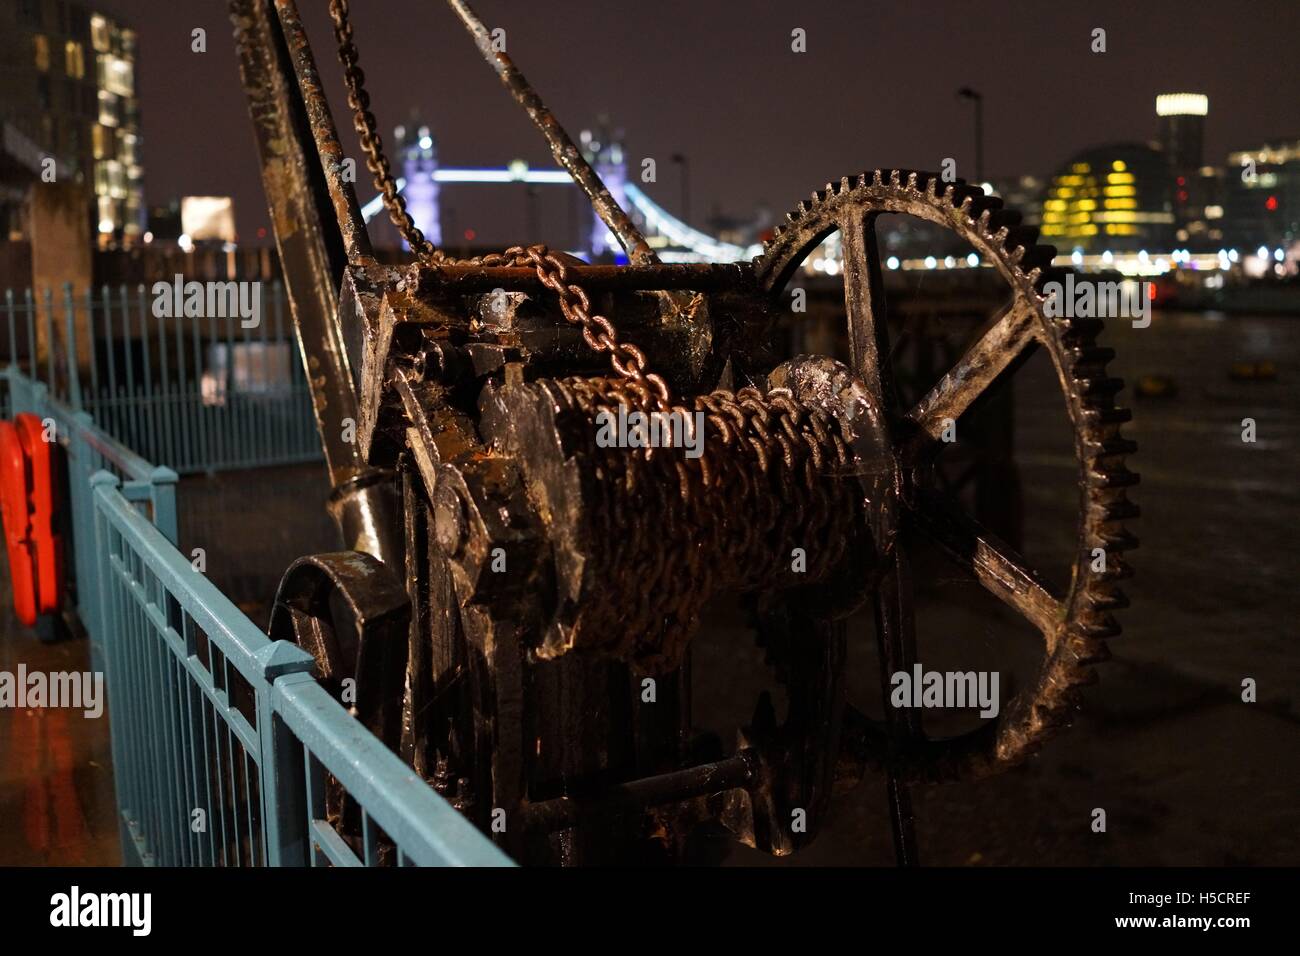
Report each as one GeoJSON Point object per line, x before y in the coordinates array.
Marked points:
{"type": "Point", "coordinates": [717, 81]}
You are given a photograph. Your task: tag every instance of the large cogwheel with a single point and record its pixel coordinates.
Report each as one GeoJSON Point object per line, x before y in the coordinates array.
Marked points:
{"type": "Point", "coordinates": [1075, 621]}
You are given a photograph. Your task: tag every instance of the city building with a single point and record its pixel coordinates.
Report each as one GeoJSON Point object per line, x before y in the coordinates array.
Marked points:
{"type": "Point", "coordinates": [1261, 197]}
{"type": "Point", "coordinates": [1117, 197]}
{"type": "Point", "coordinates": [70, 89]}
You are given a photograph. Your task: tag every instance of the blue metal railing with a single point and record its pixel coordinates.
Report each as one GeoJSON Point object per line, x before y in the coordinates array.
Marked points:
{"type": "Point", "coordinates": [201, 393]}
{"type": "Point", "coordinates": [222, 740]}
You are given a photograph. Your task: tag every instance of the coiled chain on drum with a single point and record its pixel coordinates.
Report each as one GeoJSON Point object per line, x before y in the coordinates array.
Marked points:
{"type": "Point", "coordinates": [774, 474]}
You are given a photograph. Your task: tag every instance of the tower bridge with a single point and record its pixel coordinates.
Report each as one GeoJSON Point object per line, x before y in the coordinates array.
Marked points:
{"type": "Point", "coordinates": [423, 177]}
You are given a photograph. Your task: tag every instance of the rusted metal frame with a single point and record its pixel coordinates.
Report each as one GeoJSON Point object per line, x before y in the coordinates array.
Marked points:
{"type": "Point", "coordinates": [352, 227]}
{"type": "Point", "coordinates": [313, 257]}
{"type": "Point", "coordinates": [994, 350]}
{"type": "Point", "coordinates": [1001, 571]}
{"type": "Point", "coordinates": [695, 277]}
{"type": "Point", "coordinates": [565, 151]}
{"type": "Point", "coordinates": [736, 772]}
{"type": "Point", "coordinates": [895, 623]}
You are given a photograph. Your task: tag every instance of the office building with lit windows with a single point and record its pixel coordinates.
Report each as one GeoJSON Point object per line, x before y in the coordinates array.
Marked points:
{"type": "Point", "coordinates": [1117, 197]}
{"type": "Point", "coordinates": [69, 89]}
{"type": "Point", "coordinates": [1261, 196]}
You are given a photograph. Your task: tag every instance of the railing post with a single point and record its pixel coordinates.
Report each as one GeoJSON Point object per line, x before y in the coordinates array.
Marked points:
{"type": "Point", "coordinates": [162, 499]}
{"type": "Point", "coordinates": [103, 482]}
{"type": "Point", "coordinates": [70, 327]}
{"type": "Point", "coordinates": [284, 800]}
{"type": "Point", "coordinates": [85, 533]}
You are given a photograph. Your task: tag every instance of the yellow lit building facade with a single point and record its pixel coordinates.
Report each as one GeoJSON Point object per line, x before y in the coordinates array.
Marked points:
{"type": "Point", "coordinates": [1116, 197]}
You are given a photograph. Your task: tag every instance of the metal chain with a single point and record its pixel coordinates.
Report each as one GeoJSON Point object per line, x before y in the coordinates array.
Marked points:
{"type": "Point", "coordinates": [552, 271]}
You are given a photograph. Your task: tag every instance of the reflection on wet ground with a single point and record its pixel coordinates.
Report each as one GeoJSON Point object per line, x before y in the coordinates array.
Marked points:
{"type": "Point", "coordinates": [1187, 772]}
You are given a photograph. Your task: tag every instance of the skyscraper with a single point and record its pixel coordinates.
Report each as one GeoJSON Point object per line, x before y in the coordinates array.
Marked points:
{"type": "Point", "coordinates": [70, 89]}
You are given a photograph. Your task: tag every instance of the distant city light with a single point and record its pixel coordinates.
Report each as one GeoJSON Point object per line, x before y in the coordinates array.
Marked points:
{"type": "Point", "coordinates": [106, 225]}
{"type": "Point", "coordinates": [973, 260]}
{"type": "Point", "coordinates": [148, 237]}
{"type": "Point", "coordinates": [426, 142]}
{"type": "Point", "coordinates": [931, 262]}
{"type": "Point", "coordinates": [185, 242]}
{"type": "Point", "coordinates": [1262, 252]}
{"type": "Point", "coordinates": [892, 262]}
{"type": "Point", "coordinates": [1279, 255]}
{"type": "Point", "coordinates": [1182, 104]}
{"type": "Point", "coordinates": [949, 262]}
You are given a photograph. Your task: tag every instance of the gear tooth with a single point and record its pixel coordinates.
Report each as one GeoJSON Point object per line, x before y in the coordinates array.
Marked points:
{"type": "Point", "coordinates": [894, 178]}
{"type": "Point", "coordinates": [1118, 540]}
{"type": "Point", "coordinates": [1107, 416]}
{"type": "Point", "coordinates": [1116, 476]}
{"type": "Point", "coordinates": [878, 177]}
{"type": "Point", "coordinates": [913, 182]}
{"type": "Point", "coordinates": [845, 185]}
{"type": "Point", "coordinates": [1122, 510]}
{"type": "Point", "coordinates": [1111, 447]}
{"type": "Point", "coordinates": [1051, 274]}
{"type": "Point", "coordinates": [1095, 355]}
{"type": "Point", "coordinates": [1103, 385]}
{"type": "Point", "coordinates": [1117, 569]}
{"type": "Point", "coordinates": [1111, 600]}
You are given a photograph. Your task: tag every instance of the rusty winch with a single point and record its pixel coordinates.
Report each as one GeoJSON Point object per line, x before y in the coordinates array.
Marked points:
{"type": "Point", "coordinates": [546, 471]}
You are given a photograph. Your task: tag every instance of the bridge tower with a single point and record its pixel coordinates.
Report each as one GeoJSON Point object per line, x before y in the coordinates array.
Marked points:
{"type": "Point", "coordinates": [606, 156]}
{"type": "Point", "coordinates": [419, 164]}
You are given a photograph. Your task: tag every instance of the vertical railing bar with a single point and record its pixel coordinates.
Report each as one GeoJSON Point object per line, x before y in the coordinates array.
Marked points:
{"type": "Point", "coordinates": [218, 721]}
{"type": "Point", "coordinates": [89, 305]}
{"type": "Point", "coordinates": [150, 446]}
{"type": "Point", "coordinates": [48, 322]}
{"type": "Point", "coordinates": [315, 783]}
{"type": "Point", "coordinates": [13, 328]}
{"type": "Point", "coordinates": [70, 333]}
{"type": "Point", "coordinates": [32, 349]}
{"type": "Point", "coordinates": [264, 442]}
{"type": "Point", "coordinates": [111, 346]}
{"type": "Point", "coordinates": [369, 839]}
{"type": "Point", "coordinates": [128, 359]}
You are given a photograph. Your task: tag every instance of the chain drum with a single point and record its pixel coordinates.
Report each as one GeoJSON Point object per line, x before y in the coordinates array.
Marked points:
{"type": "Point", "coordinates": [775, 494]}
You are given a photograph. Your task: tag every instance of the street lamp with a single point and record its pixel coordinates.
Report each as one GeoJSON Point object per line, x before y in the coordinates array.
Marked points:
{"type": "Point", "coordinates": [966, 93]}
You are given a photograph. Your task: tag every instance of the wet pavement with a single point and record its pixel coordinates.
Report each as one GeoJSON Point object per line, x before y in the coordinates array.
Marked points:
{"type": "Point", "coordinates": [1186, 772]}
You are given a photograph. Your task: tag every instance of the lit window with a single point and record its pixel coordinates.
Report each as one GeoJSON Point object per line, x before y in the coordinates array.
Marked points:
{"type": "Point", "coordinates": [42, 52]}
{"type": "Point", "coordinates": [74, 60]}
{"type": "Point", "coordinates": [99, 34]}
